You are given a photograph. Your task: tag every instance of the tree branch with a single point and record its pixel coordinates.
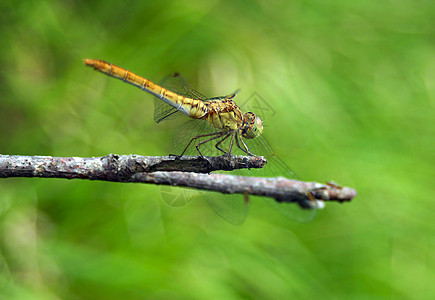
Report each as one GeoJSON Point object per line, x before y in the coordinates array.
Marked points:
{"type": "Point", "coordinates": [279, 188]}
{"type": "Point", "coordinates": [115, 167]}
{"type": "Point", "coordinates": [186, 171]}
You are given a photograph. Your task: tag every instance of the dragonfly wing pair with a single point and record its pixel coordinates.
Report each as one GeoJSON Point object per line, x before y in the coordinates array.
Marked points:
{"type": "Point", "coordinates": [233, 208]}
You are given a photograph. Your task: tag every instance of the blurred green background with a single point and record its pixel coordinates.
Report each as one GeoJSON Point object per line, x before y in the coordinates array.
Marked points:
{"type": "Point", "coordinates": [352, 87]}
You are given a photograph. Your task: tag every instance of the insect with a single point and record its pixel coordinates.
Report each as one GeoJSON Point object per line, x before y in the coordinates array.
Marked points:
{"type": "Point", "coordinates": [217, 126]}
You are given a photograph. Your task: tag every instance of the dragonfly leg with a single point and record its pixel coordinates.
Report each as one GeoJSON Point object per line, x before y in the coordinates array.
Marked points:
{"type": "Point", "coordinates": [209, 140]}
{"type": "Point", "coordinates": [231, 145]}
{"type": "Point", "coordinates": [245, 147]}
{"type": "Point", "coordinates": [220, 142]}
{"type": "Point", "coordinates": [216, 134]}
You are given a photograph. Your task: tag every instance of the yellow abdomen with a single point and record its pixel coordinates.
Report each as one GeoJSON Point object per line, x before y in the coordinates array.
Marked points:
{"type": "Point", "coordinates": [193, 108]}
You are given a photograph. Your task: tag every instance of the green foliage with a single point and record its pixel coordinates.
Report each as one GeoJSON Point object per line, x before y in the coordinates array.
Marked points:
{"type": "Point", "coordinates": [349, 87]}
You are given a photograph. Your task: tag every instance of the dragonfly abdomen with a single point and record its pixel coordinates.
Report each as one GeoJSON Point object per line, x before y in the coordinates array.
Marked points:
{"type": "Point", "coordinates": [193, 108]}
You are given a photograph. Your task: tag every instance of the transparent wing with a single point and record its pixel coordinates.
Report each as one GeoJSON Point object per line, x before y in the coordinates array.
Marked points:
{"type": "Point", "coordinates": [177, 84]}
{"type": "Point", "coordinates": [190, 129]}
{"type": "Point", "coordinates": [164, 112]}
{"type": "Point", "coordinates": [277, 167]}
{"type": "Point", "coordinates": [232, 208]}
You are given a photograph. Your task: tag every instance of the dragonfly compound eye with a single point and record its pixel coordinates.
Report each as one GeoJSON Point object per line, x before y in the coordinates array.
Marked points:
{"type": "Point", "coordinates": [253, 126]}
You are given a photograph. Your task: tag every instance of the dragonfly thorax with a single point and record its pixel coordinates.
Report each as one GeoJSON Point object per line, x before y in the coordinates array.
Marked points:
{"type": "Point", "coordinates": [223, 114]}
{"type": "Point", "coordinates": [252, 126]}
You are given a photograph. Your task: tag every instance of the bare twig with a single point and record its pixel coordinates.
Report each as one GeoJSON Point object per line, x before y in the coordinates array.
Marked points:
{"type": "Point", "coordinates": [280, 188]}
{"type": "Point", "coordinates": [114, 167]}
{"type": "Point", "coordinates": [184, 171]}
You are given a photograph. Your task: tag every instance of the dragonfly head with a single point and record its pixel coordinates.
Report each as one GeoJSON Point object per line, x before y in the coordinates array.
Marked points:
{"type": "Point", "coordinates": [252, 126]}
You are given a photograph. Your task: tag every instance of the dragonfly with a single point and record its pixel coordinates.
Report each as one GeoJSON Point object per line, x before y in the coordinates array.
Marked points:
{"type": "Point", "coordinates": [217, 126]}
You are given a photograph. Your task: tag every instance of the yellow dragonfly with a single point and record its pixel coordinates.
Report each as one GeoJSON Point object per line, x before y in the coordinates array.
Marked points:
{"type": "Point", "coordinates": [216, 125]}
